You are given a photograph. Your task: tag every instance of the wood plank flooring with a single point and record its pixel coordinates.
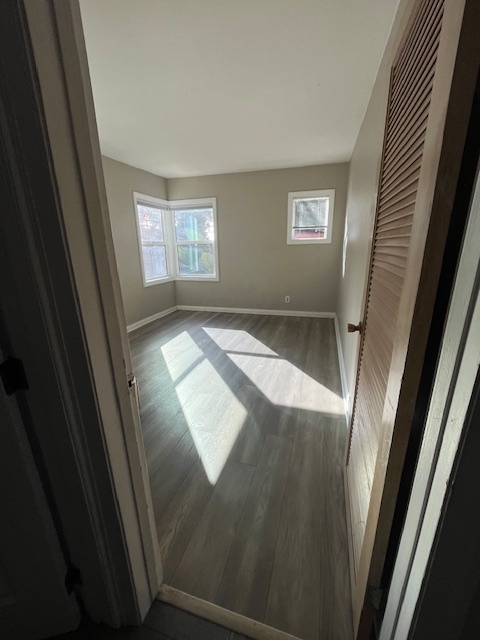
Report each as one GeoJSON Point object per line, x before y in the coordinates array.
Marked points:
{"type": "Point", "coordinates": [163, 622]}
{"type": "Point", "coordinates": [244, 433]}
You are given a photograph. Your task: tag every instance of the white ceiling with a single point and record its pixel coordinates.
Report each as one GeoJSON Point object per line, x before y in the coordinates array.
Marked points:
{"type": "Point", "coordinates": [196, 87]}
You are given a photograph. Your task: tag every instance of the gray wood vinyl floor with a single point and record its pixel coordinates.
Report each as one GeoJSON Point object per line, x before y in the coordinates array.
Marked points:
{"type": "Point", "coordinates": [244, 432]}
{"type": "Point", "coordinates": [163, 622]}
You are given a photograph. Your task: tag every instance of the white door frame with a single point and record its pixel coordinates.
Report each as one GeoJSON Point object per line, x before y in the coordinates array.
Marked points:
{"type": "Point", "coordinates": [449, 418]}
{"type": "Point", "coordinates": [66, 322]}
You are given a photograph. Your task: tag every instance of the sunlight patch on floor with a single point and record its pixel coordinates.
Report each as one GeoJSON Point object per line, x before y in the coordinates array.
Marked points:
{"type": "Point", "coordinates": [180, 353]}
{"type": "Point", "coordinates": [238, 341]}
{"type": "Point", "coordinates": [286, 385]}
{"type": "Point", "coordinates": [214, 416]}
{"type": "Point", "coordinates": [213, 413]}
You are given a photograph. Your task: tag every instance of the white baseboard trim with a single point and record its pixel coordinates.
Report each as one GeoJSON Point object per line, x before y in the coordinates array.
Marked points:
{"type": "Point", "coordinates": [223, 617]}
{"type": "Point", "coordinates": [343, 373]}
{"type": "Point", "coordinates": [261, 312]}
{"type": "Point", "coordinates": [156, 316]}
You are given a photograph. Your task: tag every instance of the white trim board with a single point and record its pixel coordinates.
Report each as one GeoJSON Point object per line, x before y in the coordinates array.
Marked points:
{"type": "Point", "coordinates": [223, 617]}
{"type": "Point", "coordinates": [72, 337]}
{"type": "Point", "coordinates": [156, 316]}
{"type": "Point", "coordinates": [343, 373]}
{"type": "Point", "coordinates": [261, 312]}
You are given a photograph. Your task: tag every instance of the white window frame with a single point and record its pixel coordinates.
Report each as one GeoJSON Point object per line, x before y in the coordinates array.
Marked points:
{"type": "Point", "coordinates": [141, 198]}
{"type": "Point", "coordinates": [170, 241]}
{"type": "Point", "coordinates": [179, 205]}
{"type": "Point", "coordinates": [318, 193]}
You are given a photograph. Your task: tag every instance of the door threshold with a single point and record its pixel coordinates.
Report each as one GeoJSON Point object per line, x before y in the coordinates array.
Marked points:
{"type": "Point", "coordinates": [223, 617]}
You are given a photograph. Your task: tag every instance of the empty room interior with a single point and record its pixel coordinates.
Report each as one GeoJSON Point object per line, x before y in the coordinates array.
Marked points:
{"type": "Point", "coordinates": [242, 144]}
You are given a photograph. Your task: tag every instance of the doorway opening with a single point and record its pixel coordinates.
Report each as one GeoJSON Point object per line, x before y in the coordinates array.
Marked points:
{"type": "Point", "coordinates": [241, 357]}
{"type": "Point", "coordinates": [244, 430]}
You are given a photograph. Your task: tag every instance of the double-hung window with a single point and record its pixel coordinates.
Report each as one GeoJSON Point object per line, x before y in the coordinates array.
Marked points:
{"type": "Point", "coordinates": [151, 228]}
{"type": "Point", "coordinates": [310, 216]}
{"type": "Point", "coordinates": [177, 240]}
{"type": "Point", "coordinates": [195, 247]}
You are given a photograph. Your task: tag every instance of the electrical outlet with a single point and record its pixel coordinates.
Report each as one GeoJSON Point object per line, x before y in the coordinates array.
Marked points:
{"type": "Point", "coordinates": [287, 298]}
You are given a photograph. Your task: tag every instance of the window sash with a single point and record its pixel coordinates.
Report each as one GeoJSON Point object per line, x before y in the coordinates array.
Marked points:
{"type": "Point", "coordinates": [166, 258]}
{"type": "Point", "coordinates": [193, 223]}
{"type": "Point", "coordinates": [321, 213]}
{"type": "Point", "coordinates": [324, 227]}
{"type": "Point", "coordinates": [202, 258]}
{"type": "Point", "coordinates": [141, 226]}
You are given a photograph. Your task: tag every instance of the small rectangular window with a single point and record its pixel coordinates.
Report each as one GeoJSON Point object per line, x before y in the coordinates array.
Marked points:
{"type": "Point", "coordinates": [310, 216]}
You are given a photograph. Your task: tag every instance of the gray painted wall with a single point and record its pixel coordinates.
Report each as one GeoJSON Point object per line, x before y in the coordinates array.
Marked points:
{"type": "Point", "coordinates": [257, 268]}
{"type": "Point", "coordinates": [361, 202]}
{"type": "Point", "coordinates": [120, 181]}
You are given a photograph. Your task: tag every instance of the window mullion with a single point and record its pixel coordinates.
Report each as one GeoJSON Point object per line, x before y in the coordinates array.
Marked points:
{"type": "Point", "coordinates": [170, 241]}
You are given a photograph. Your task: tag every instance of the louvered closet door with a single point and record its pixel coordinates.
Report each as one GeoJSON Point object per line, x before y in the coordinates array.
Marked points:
{"type": "Point", "coordinates": [412, 78]}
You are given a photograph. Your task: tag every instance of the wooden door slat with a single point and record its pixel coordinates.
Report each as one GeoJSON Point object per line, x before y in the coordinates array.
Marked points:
{"type": "Point", "coordinates": [410, 147]}
{"type": "Point", "coordinates": [389, 250]}
{"type": "Point", "coordinates": [401, 218]}
{"type": "Point", "coordinates": [418, 64]}
{"type": "Point", "coordinates": [406, 202]}
{"type": "Point", "coordinates": [395, 288]}
{"type": "Point", "coordinates": [400, 184]}
{"type": "Point", "coordinates": [390, 265]}
{"type": "Point", "coordinates": [415, 107]}
{"type": "Point", "coordinates": [409, 127]}
{"type": "Point", "coordinates": [406, 160]}
{"type": "Point", "coordinates": [398, 195]}
{"type": "Point", "coordinates": [394, 239]}
{"type": "Point", "coordinates": [426, 15]}
{"type": "Point", "coordinates": [413, 164]}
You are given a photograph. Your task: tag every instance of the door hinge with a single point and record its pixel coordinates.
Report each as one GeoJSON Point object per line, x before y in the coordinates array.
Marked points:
{"type": "Point", "coordinates": [73, 578]}
{"type": "Point", "coordinates": [374, 596]}
{"type": "Point", "coordinates": [13, 375]}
